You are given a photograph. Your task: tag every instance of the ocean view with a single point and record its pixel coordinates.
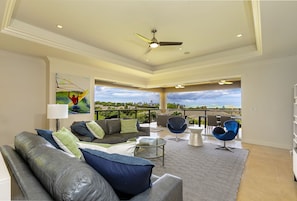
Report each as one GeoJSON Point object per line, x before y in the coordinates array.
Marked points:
{"type": "Point", "coordinates": [228, 98]}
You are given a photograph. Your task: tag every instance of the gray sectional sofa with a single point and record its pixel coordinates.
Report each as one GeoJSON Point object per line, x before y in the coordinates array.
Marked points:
{"type": "Point", "coordinates": [39, 171]}
{"type": "Point", "coordinates": [112, 129]}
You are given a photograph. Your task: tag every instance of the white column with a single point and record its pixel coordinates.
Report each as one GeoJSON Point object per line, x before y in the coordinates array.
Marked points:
{"type": "Point", "coordinates": [163, 101]}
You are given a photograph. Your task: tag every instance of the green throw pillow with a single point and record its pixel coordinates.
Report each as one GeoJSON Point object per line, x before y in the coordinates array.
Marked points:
{"type": "Point", "coordinates": [95, 129]}
{"type": "Point", "coordinates": [67, 141]}
{"type": "Point", "coordinates": [128, 126]}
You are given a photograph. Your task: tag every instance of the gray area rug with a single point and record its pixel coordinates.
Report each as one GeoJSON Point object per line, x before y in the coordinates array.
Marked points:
{"type": "Point", "coordinates": [208, 174]}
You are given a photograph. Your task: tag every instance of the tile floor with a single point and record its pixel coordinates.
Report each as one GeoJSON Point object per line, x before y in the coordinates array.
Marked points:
{"type": "Point", "coordinates": [268, 172]}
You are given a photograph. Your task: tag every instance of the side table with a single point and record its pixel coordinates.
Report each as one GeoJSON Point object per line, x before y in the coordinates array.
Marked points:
{"type": "Point", "coordinates": [195, 136]}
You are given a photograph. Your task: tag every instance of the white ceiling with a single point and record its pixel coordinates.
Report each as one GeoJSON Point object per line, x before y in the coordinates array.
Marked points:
{"type": "Point", "coordinates": [102, 32]}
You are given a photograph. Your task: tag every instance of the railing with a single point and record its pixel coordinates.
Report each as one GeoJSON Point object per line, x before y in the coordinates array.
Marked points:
{"type": "Point", "coordinates": [148, 115]}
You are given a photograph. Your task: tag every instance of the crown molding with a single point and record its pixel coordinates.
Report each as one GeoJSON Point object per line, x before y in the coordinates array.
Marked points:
{"type": "Point", "coordinates": [31, 33]}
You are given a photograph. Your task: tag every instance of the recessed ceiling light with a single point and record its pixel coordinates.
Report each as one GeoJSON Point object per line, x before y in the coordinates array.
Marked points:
{"type": "Point", "coordinates": [59, 26]}
{"type": "Point", "coordinates": [239, 35]}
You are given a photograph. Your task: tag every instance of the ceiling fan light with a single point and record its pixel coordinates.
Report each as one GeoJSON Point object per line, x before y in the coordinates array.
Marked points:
{"type": "Point", "coordinates": [179, 86]}
{"type": "Point", "coordinates": [154, 45]}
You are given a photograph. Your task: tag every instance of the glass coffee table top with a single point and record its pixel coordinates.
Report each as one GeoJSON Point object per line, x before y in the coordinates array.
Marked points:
{"type": "Point", "coordinates": [150, 148]}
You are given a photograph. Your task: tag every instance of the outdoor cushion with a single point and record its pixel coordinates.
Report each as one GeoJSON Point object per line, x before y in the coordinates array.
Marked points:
{"type": "Point", "coordinates": [127, 175]}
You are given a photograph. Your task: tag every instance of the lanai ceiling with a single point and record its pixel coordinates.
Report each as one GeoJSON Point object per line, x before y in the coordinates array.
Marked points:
{"type": "Point", "coordinates": [103, 32]}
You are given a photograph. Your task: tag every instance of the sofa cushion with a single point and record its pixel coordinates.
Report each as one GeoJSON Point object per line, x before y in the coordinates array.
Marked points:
{"type": "Point", "coordinates": [114, 126]}
{"type": "Point", "coordinates": [48, 135]}
{"type": "Point", "coordinates": [126, 148]}
{"type": "Point", "coordinates": [80, 128]}
{"type": "Point", "coordinates": [95, 129]}
{"type": "Point", "coordinates": [65, 177]}
{"type": "Point", "coordinates": [127, 175]}
{"type": "Point", "coordinates": [103, 125]}
{"type": "Point", "coordinates": [67, 141]}
{"type": "Point", "coordinates": [129, 126]}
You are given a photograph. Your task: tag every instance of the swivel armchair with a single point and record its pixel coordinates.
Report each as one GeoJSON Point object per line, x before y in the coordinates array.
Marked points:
{"type": "Point", "coordinates": [232, 128]}
{"type": "Point", "coordinates": [176, 125]}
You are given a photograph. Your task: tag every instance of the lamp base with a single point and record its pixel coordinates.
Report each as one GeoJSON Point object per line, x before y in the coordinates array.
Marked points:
{"type": "Point", "coordinates": [57, 124]}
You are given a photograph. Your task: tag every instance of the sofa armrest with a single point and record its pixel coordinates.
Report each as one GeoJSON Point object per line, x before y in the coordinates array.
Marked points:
{"type": "Point", "coordinates": [166, 188]}
{"type": "Point", "coordinates": [146, 130]}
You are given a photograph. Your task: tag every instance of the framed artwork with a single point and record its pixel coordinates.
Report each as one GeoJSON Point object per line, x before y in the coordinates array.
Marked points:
{"type": "Point", "coordinates": [74, 91]}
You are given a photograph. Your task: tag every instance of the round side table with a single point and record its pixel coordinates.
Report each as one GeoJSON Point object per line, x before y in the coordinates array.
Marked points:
{"type": "Point", "coordinates": [195, 136]}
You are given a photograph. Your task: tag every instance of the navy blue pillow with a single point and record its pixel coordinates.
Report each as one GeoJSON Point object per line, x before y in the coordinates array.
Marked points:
{"type": "Point", "coordinates": [47, 134]}
{"type": "Point", "coordinates": [219, 130]}
{"type": "Point", "coordinates": [80, 128]}
{"type": "Point", "coordinates": [127, 175]}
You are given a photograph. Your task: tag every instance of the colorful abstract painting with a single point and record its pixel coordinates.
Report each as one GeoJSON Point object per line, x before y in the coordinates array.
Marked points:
{"type": "Point", "coordinates": [74, 91]}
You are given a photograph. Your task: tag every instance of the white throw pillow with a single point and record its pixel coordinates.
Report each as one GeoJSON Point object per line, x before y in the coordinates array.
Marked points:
{"type": "Point", "coordinates": [126, 148]}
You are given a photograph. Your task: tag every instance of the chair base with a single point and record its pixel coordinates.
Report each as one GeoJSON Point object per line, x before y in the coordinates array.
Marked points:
{"type": "Point", "coordinates": [225, 148]}
{"type": "Point", "coordinates": [176, 139]}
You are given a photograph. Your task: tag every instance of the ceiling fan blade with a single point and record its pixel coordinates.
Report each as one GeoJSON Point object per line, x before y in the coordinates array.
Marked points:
{"type": "Point", "coordinates": [170, 43]}
{"type": "Point", "coordinates": [144, 38]}
{"type": "Point", "coordinates": [228, 82]}
{"type": "Point", "coordinates": [148, 50]}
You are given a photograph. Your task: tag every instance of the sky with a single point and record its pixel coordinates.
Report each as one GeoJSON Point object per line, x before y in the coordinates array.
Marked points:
{"type": "Point", "coordinates": [214, 98]}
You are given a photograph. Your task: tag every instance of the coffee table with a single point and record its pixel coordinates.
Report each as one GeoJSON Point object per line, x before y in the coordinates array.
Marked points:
{"type": "Point", "coordinates": [150, 148]}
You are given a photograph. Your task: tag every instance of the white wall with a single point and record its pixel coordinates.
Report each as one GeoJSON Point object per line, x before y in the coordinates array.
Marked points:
{"type": "Point", "coordinates": [66, 67]}
{"type": "Point", "coordinates": [267, 101]}
{"type": "Point", "coordinates": [23, 95]}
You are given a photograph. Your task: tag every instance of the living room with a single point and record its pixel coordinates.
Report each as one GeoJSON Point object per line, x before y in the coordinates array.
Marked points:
{"type": "Point", "coordinates": [267, 80]}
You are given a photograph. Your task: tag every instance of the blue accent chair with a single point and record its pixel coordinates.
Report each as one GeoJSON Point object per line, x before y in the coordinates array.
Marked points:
{"type": "Point", "coordinates": [232, 128]}
{"type": "Point", "coordinates": [176, 125]}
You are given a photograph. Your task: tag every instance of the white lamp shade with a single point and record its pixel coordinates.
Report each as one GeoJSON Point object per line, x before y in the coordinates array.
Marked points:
{"type": "Point", "coordinates": [57, 111]}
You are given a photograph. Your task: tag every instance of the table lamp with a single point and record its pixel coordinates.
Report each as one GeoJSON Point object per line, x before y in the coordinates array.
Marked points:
{"type": "Point", "coordinates": [57, 111]}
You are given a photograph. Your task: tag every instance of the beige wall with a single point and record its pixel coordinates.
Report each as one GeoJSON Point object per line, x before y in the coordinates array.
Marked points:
{"type": "Point", "coordinates": [23, 95]}
{"type": "Point", "coordinates": [267, 95]}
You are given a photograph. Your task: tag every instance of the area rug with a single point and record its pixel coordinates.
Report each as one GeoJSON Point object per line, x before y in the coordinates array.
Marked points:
{"type": "Point", "coordinates": [208, 174]}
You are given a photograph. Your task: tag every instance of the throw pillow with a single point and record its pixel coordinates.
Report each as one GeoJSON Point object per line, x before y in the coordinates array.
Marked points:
{"type": "Point", "coordinates": [129, 126]}
{"type": "Point", "coordinates": [47, 134]}
{"type": "Point", "coordinates": [95, 129]}
{"type": "Point", "coordinates": [127, 175]}
{"type": "Point", "coordinates": [80, 128]}
{"type": "Point", "coordinates": [126, 148]}
{"type": "Point", "coordinates": [67, 141]}
{"type": "Point", "coordinates": [219, 130]}
{"type": "Point", "coordinates": [113, 125]}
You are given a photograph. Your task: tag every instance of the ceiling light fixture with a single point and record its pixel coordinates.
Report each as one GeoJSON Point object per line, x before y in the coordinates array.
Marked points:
{"type": "Point", "coordinates": [239, 35]}
{"type": "Point", "coordinates": [59, 26]}
{"type": "Point", "coordinates": [154, 45]}
{"type": "Point", "coordinates": [222, 82]}
{"type": "Point", "coordinates": [179, 86]}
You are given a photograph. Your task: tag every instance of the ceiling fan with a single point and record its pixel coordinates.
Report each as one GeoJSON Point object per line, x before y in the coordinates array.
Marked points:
{"type": "Point", "coordinates": [222, 82]}
{"type": "Point", "coordinates": [154, 43]}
